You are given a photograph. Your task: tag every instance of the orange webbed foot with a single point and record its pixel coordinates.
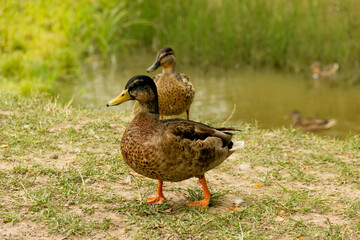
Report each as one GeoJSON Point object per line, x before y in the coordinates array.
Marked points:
{"type": "Point", "coordinates": [153, 200]}
{"type": "Point", "coordinates": [200, 204]}
{"type": "Point", "coordinates": [159, 196]}
{"type": "Point", "coordinates": [207, 195]}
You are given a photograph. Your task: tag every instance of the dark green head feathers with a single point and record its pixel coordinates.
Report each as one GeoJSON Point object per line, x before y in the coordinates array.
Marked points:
{"type": "Point", "coordinates": [141, 88]}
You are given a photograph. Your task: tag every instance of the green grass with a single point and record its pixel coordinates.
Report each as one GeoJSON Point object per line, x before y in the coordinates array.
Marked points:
{"type": "Point", "coordinates": [46, 43]}
{"type": "Point", "coordinates": [62, 175]}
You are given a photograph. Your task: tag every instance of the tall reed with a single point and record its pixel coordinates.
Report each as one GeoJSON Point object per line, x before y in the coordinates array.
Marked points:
{"type": "Point", "coordinates": [286, 34]}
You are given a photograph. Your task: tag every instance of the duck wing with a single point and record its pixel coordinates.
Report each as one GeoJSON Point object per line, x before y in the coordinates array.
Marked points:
{"type": "Point", "coordinates": [194, 131]}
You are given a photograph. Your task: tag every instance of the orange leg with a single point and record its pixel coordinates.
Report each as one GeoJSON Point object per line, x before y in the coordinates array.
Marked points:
{"type": "Point", "coordinates": [159, 196]}
{"type": "Point", "coordinates": [207, 195]}
{"type": "Point", "coordinates": [187, 114]}
{"type": "Point", "coordinates": [161, 117]}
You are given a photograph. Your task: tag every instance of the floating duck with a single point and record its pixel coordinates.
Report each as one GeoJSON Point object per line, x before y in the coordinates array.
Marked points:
{"type": "Point", "coordinates": [309, 124]}
{"type": "Point", "coordinates": [173, 149]}
{"type": "Point", "coordinates": [175, 91]}
{"type": "Point", "coordinates": [324, 72]}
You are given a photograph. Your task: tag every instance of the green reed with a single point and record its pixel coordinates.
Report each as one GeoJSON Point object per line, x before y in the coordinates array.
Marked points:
{"type": "Point", "coordinates": [282, 34]}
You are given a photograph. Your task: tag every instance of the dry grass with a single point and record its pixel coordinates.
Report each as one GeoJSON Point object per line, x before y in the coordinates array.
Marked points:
{"type": "Point", "coordinates": [62, 176]}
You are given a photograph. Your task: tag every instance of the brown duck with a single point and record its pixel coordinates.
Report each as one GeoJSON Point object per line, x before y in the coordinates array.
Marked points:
{"type": "Point", "coordinates": [175, 91]}
{"type": "Point", "coordinates": [327, 71]}
{"type": "Point", "coordinates": [173, 149]}
{"type": "Point", "coordinates": [309, 124]}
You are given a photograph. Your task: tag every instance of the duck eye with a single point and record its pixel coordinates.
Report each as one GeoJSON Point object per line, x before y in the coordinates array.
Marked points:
{"type": "Point", "coordinates": [123, 94]}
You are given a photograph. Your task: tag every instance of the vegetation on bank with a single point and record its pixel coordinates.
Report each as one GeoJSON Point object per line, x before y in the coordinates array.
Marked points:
{"type": "Point", "coordinates": [281, 34]}
{"type": "Point", "coordinates": [62, 176]}
{"type": "Point", "coordinates": [46, 43]}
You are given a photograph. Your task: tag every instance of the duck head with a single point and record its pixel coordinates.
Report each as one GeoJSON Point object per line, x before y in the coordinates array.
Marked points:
{"type": "Point", "coordinates": [165, 58]}
{"type": "Point", "coordinates": [142, 89]}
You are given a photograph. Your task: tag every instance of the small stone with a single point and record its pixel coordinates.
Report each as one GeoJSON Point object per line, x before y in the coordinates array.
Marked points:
{"type": "Point", "coordinates": [91, 132]}
{"type": "Point", "coordinates": [279, 219]}
{"type": "Point", "coordinates": [244, 166]}
{"type": "Point", "coordinates": [128, 180]}
{"type": "Point", "coordinates": [238, 201]}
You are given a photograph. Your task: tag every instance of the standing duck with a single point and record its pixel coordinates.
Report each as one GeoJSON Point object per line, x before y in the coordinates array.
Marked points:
{"type": "Point", "coordinates": [309, 124]}
{"type": "Point", "coordinates": [175, 91]}
{"type": "Point", "coordinates": [173, 149]}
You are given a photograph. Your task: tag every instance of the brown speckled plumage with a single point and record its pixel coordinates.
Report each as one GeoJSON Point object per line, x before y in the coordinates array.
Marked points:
{"type": "Point", "coordinates": [175, 91]}
{"type": "Point", "coordinates": [173, 149]}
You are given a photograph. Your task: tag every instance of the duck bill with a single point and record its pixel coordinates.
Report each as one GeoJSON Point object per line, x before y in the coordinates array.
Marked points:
{"type": "Point", "coordinates": [123, 97]}
{"type": "Point", "coordinates": [153, 67]}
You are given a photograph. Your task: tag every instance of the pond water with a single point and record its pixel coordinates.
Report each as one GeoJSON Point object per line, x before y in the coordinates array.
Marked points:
{"type": "Point", "coordinates": [261, 97]}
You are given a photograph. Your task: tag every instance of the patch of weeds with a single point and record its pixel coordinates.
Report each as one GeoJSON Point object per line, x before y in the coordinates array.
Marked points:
{"type": "Point", "coordinates": [196, 194]}
{"type": "Point", "coordinates": [40, 169]}
{"type": "Point", "coordinates": [15, 182]}
{"type": "Point", "coordinates": [299, 226]}
{"type": "Point", "coordinates": [141, 208]}
{"type": "Point", "coordinates": [194, 224]}
{"type": "Point", "coordinates": [333, 231]}
{"type": "Point", "coordinates": [72, 224]}
{"type": "Point", "coordinates": [20, 169]}
{"type": "Point", "coordinates": [353, 209]}
{"type": "Point", "coordinates": [88, 211]}
{"type": "Point", "coordinates": [349, 175]}
{"type": "Point", "coordinates": [40, 199]}
{"type": "Point", "coordinates": [293, 201]}
{"type": "Point", "coordinates": [8, 217]}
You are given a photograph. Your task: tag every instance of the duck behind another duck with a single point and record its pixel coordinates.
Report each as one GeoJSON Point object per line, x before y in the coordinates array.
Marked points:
{"type": "Point", "coordinates": [175, 91]}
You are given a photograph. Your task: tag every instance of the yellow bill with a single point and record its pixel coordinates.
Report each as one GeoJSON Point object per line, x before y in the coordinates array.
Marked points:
{"type": "Point", "coordinates": [123, 97]}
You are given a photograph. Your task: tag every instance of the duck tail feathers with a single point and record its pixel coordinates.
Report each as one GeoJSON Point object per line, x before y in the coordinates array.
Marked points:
{"type": "Point", "coordinates": [330, 123]}
{"type": "Point", "coordinates": [237, 145]}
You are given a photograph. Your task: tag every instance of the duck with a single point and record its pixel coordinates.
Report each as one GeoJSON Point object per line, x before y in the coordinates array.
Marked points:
{"type": "Point", "coordinates": [309, 124]}
{"type": "Point", "coordinates": [170, 150]}
{"type": "Point", "coordinates": [175, 91]}
{"type": "Point", "coordinates": [323, 72]}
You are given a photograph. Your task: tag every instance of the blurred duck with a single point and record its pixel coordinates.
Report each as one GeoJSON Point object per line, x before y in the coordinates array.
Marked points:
{"type": "Point", "coordinates": [175, 91]}
{"type": "Point", "coordinates": [309, 124]}
{"type": "Point", "coordinates": [323, 72]}
{"type": "Point", "coordinates": [172, 149]}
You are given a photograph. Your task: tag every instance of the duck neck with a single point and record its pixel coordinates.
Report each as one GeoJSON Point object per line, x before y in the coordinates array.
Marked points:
{"type": "Point", "coordinates": [150, 106]}
{"type": "Point", "coordinates": [298, 120]}
{"type": "Point", "coordinates": [168, 68]}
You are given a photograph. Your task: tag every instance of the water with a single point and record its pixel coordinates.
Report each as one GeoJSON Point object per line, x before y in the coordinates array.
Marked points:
{"type": "Point", "coordinates": [261, 97]}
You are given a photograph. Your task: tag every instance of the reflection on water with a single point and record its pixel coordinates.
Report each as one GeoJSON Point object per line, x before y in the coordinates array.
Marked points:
{"type": "Point", "coordinates": [264, 97]}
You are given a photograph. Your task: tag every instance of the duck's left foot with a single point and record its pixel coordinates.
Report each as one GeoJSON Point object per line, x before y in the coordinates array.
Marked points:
{"type": "Point", "coordinates": [200, 204]}
{"type": "Point", "coordinates": [207, 195]}
{"type": "Point", "coordinates": [159, 196]}
{"type": "Point", "coordinates": [159, 199]}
